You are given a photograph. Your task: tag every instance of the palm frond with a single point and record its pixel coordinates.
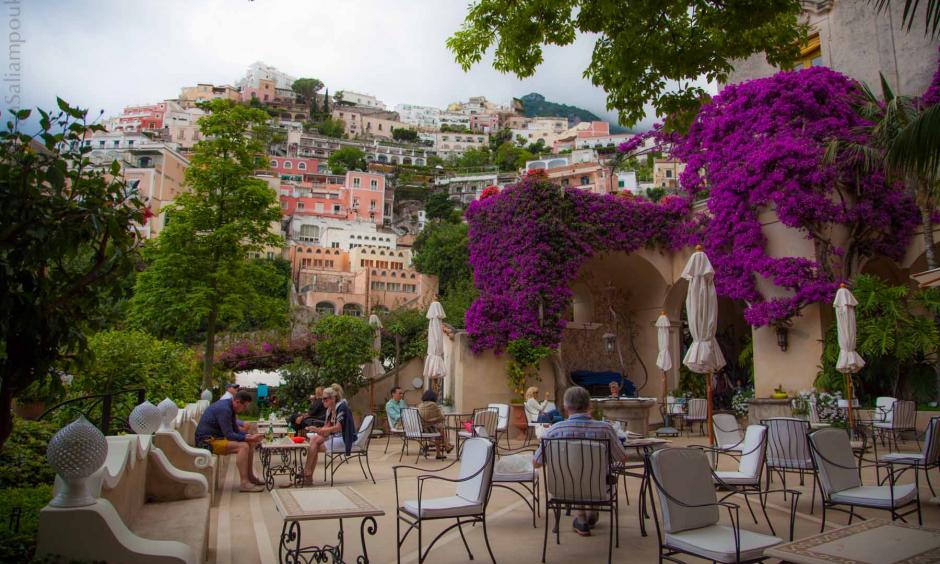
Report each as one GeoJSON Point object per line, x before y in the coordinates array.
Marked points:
{"type": "Point", "coordinates": [916, 149]}
{"type": "Point", "coordinates": [931, 15]}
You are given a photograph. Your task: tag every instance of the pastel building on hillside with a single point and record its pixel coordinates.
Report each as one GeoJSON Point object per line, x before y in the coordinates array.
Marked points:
{"type": "Point", "coordinates": [449, 144]}
{"type": "Point", "coordinates": [361, 196]}
{"type": "Point", "coordinates": [420, 117]}
{"type": "Point", "coordinates": [666, 172]}
{"type": "Point", "coordinates": [300, 144]}
{"type": "Point", "coordinates": [192, 95]}
{"type": "Point", "coordinates": [364, 122]}
{"type": "Point", "coordinates": [359, 99]}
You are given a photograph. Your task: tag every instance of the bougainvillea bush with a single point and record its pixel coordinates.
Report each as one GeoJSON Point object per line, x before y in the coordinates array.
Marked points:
{"type": "Point", "coordinates": [758, 145]}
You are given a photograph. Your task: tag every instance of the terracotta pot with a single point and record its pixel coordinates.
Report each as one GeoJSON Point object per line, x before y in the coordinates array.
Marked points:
{"type": "Point", "coordinates": [31, 410]}
{"type": "Point", "coordinates": [517, 418]}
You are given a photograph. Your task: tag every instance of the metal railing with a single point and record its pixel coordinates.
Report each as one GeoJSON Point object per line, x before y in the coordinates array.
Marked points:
{"type": "Point", "coordinates": [105, 401]}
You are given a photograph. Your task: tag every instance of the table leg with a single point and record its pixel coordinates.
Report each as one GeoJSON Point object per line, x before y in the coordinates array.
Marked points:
{"type": "Point", "coordinates": [266, 470]}
{"type": "Point", "coordinates": [371, 529]}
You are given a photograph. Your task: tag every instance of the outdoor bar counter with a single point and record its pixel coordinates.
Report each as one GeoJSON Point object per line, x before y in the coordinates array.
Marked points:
{"type": "Point", "coordinates": [635, 412]}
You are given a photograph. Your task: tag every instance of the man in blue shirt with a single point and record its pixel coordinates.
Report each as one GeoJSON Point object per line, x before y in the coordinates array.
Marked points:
{"type": "Point", "coordinates": [218, 432]}
{"type": "Point", "coordinates": [393, 408]}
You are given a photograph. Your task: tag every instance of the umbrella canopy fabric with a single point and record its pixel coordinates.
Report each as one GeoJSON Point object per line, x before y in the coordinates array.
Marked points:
{"type": "Point", "coordinates": [434, 362]}
{"type": "Point", "coordinates": [849, 361]}
{"type": "Point", "coordinates": [701, 304]}
{"type": "Point", "coordinates": [663, 359]}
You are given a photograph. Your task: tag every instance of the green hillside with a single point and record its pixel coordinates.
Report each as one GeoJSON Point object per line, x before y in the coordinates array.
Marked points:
{"type": "Point", "coordinates": [535, 105]}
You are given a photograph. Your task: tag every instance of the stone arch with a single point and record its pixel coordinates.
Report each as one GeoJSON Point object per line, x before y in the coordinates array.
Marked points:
{"type": "Point", "coordinates": [325, 308]}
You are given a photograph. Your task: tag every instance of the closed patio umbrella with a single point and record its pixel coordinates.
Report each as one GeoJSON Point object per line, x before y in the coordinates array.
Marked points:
{"type": "Point", "coordinates": [849, 361]}
{"type": "Point", "coordinates": [376, 369]}
{"type": "Point", "coordinates": [664, 363]}
{"type": "Point", "coordinates": [434, 362]}
{"type": "Point", "coordinates": [701, 304]}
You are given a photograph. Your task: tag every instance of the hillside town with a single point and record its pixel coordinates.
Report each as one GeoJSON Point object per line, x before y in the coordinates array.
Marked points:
{"type": "Point", "coordinates": [348, 230]}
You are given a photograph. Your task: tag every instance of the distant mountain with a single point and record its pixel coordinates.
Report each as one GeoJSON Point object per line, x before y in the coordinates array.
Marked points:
{"type": "Point", "coordinates": [535, 105]}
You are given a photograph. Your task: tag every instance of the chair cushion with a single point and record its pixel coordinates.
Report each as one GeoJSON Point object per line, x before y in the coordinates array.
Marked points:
{"type": "Point", "coordinates": [737, 478]}
{"type": "Point", "coordinates": [906, 457]}
{"type": "Point", "coordinates": [793, 463]}
{"type": "Point", "coordinates": [876, 496]}
{"type": "Point", "coordinates": [716, 542]}
{"type": "Point", "coordinates": [453, 506]}
{"type": "Point", "coordinates": [514, 476]}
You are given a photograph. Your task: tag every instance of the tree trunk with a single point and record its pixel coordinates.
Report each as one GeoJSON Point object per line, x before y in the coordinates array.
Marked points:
{"type": "Point", "coordinates": [927, 221]}
{"type": "Point", "coordinates": [6, 410]}
{"type": "Point", "coordinates": [210, 348]}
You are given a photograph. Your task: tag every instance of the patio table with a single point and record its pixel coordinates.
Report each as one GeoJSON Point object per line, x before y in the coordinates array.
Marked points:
{"type": "Point", "coordinates": [454, 422]}
{"type": "Point", "coordinates": [282, 457]}
{"type": "Point", "coordinates": [633, 468]}
{"type": "Point", "coordinates": [875, 541]}
{"type": "Point", "coordinates": [317, 504]}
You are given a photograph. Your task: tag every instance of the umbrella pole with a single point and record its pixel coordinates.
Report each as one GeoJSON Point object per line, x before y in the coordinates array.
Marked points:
{"type": "Point", "coordinates": [848, 395]}
{"type": "Point", "coordinates": [709, 399]}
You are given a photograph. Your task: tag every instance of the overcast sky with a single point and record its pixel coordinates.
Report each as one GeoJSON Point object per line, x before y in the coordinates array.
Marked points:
{"type": "Point", "coordinates": [107, 54]}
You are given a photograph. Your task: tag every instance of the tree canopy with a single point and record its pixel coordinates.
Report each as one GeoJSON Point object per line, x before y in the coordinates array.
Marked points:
{"type": "Point", "coordinates": [307, 88]}
{"type": "Point", "coordinates": [68, 236]}
{"type": "Point", "coordinates": [404, 134]}
{"type": "Point", "coordinates": [441, 249]}
{"type": "Point", "coordinates": [199, 274]}
{"type": "Point", "coordinates": [346, 159]}
{"type": "Point", "coordinates": [330, 127]}
{"type": "Point", "coordinates": [644, 52]}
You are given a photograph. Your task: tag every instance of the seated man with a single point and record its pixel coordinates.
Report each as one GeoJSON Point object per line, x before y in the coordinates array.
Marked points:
{"type": "Point", "coordinates": [615, 389]}
{"type": "Point", "coordinates": [315, 416]}
{"type": "Point", "coordinates": [218, 433]}
{"type": "Point", "coordinates": [580, 425]}
{"type": "Point", "coordinates": [393, 408]}
{"type": "Point", "coordinates": [339, 433]}
{"type": "Point", "coordinates": [230, 391]}
{"type": "Point", "coordinates": [433, 419]}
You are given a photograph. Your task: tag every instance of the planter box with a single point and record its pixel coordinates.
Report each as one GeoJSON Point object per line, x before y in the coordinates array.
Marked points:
{"type": "Point", "coordinates": [759, 409]}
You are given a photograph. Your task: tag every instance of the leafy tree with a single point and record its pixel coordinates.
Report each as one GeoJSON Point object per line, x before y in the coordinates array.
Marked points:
{"type": "Point", "coordinates": [326, 102]}
{"type": "Point", "coordinates": [307, 88]}
{"type": "Point", "coordinates": [198, 276]}
{"type": "Point", "coordinates": [537, 147]}
{"type": "Point", "coordinates": [345, 159]}
{"type": "Point", "coordinates": [404, 134]}
{"type": "Point", "coordinates": [408, 329]}
{"type": "Point", "coordinates": [298, 380]}
{"type": "Point", "coordinates": [271, 281]}
{"type": "Point", "coordinates": [448, 128]}
{"type": "Point", "coordinates": [497, 139]}
{"type": "Point", "coordinates": [456, 300]}
{"type": "Point", "coordinates": [656, 193]}
{"type": "Point", "coordinates": [474, 158]}
{"type": "Point", "coordinates": [643, 49]}
{"type": "Point", "coordinates": [134, 359]}
{"type": "Point", "coordinates": [68, 237]}
{"type": "Point", "coordinates": [344, 344]}
{"type": "Point", "coordinates": [510, 157]}
{"type": "Point", "coordinates": [439, 206]}
{"type": "Point", "coordinates": [441, 249]}
{"type": "Point", "coordinates": [897, 337]}
{"type": "Point", "coordinates": [330, 127]}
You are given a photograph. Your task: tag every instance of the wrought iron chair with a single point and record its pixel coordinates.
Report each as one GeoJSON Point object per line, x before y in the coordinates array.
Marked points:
{"type": "Point", "coordinates": [577, 476]}
{"type": "Point", "coordinates": [360, 451]}
{"type": "Point", "coordinates": [840, 484]}
{"type": "Point", "coordinates": [483, 425]}
{"type": "Point", "coordinates": [414, 432]}
{"type": "Point", "coordinates": [898, 420]}
{"type": "Point", "coordinates": [697, 413]}
{"type": "Point", "coordinates": [527, 480]}
{"type": "Point", "coordinates": [468, 504]}
{"type": "Point", "coordinates": [502, 425]}
{"type": "Point", "coordinates": [788, 452]}
{"type": "Point", "coordinates": [925, 460]}
{"type": "Point", "coordinates": [683, 481]}
{"type": "Point", "coordinates": [728, 437]}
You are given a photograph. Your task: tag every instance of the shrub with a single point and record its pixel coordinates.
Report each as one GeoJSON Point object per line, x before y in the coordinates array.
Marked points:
{"type": "Point", "coordinates": [19, 545]}
{"type": "Point", "coordinates": [23, 458]}
{"type": "Point", "coordinates": [343, 345]}
{"type": "Point", "coordinates": [298, 380]}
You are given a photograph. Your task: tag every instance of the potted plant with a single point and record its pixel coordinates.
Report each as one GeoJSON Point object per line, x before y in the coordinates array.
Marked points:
{"type": "Point", "coordinates": [33, 400]}
{"type": "Point", "coordinates": [779, 393]}
{"type": "Point", "coordinates": [523, 363]}
{"type": "Point", "coordinates": [739, 403]}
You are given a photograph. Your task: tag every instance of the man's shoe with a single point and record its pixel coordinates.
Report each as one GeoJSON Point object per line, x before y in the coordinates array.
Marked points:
{"type": "Point", "coordinates": [252, 488]}
{"type": "Point", "coordinates": [581, 528]}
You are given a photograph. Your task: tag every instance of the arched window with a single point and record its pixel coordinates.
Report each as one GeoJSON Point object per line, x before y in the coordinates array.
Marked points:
{"type": "Point", "coordinates": [287, 164]}
{"type": "Point", "coordinates": [325, 308]}
{"type": "Point", "coordinates": [302, 166]}
{"type": "Point", "coordinates": [354, 310]}
{"type": "Point", "coordinates": [273, 163]}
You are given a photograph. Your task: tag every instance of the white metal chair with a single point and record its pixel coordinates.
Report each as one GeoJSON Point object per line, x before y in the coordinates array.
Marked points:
{"type": "Point", "coordinates": [527, 480]}
{"type": "Point", "coordinates": [883, 409]}
{"type": "Point", "coordinates": [577, 476]}
{"type": "Point", "coordinates": [485, 421]}
{"type": "Point", "coordinates": [414, 432]}
{"type": "Point", "coordinates": [927, 459]}
{"type": "Point", "coordinates": [682, 480]}
{"type": "Point", "coordinates": [502, 425]}
{"type": "Point", "coordinates": [360, 450]}
{"type": "Point", "coordinates": [841, 485]}
{"type": "Point", "coordinates": [898, 420]}
{"type": "Point", "coordinates": [750, 469]}
{"type": "Point", "coordinates": [393, 432]}
{"type": "Point", "coordinates": [468, 504]}
{"type": "Point", "coordinates": [788, 452]}
{"type": "Point", "coordinates": [728, 437]}
{"type": "Point", "coordinates": [697, 413]}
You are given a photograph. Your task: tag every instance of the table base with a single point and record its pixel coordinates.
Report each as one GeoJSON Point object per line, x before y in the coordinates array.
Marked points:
{"type": "Point", "coordinates": [291, 464]}
{"type": "Point", "coordinates": [291, 552]}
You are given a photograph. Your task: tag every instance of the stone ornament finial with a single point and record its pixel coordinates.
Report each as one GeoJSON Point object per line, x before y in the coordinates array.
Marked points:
{"type": "Point", "coordinates": [76, 452]}
{"type": "Point", "coordinates": [145, 419]}
{"type": "Point", "coordinates": [168, 412]}
{"type": "Point", "coordinates": [206, 395]}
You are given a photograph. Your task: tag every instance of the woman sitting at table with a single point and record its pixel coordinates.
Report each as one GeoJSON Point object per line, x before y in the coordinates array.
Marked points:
{"type": "Point", "coordinates": [535, 411]}
{"type": "Point", "coordinates": [433, 421]}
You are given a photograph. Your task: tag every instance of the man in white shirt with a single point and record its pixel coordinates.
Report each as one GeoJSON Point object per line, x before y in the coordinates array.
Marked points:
{"type": "Point", "coordinates": [230, 390]}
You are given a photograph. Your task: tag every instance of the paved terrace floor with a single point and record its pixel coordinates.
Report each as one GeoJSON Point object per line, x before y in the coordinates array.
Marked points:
{"type": "Point", "coordinates": [245, 527]}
